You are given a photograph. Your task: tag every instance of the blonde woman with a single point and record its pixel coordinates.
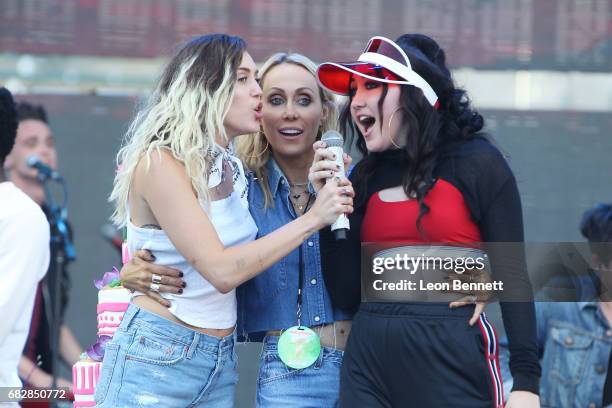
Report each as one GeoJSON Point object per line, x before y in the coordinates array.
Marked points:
{"type": "Point", "coordinates": [296, 112]}
{"type": "Point", "coordinates": [182, 196]}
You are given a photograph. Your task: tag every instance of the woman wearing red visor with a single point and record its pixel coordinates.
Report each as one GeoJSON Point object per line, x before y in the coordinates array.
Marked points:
{"type": "Point", "coordinates": [428, 175]}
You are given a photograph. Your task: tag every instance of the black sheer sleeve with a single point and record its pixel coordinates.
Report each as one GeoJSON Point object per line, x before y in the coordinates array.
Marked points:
{"type": "Point", "coordinates": [501, 221]}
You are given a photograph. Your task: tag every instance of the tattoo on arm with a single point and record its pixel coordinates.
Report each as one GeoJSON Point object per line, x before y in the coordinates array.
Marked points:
{"type": "Point", "coordinates": [240, 264]}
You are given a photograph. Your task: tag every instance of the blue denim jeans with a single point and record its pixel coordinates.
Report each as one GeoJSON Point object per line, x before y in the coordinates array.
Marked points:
{"type": "Point", "coordinates": [153, 361]}
{"type": "Point", "coordinates": [316, 386]}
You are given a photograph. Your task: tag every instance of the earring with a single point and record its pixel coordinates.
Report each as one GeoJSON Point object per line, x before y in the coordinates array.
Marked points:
{"type": "Point", "coordinates": [389, 128]}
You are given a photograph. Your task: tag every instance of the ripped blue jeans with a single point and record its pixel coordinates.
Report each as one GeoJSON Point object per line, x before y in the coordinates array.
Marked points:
{"type": "Point", "coordinates": [152, 361]}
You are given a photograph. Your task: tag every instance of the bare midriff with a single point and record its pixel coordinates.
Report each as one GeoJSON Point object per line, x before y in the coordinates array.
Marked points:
{"type": "Point", "coordinates": [332, 335]}
{"type": "Point", "coordinates": [151, 305]}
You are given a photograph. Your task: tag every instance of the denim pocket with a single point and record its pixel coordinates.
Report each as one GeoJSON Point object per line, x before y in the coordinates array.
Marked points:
{"type": "Point", "coordinates": [149, 346]}
{"type": "Point", "coordinates": [569, 353]}
{"type": "Point", "coordinates": [273, 369]}
{"type": "Point", "coordinates": [106, 375]}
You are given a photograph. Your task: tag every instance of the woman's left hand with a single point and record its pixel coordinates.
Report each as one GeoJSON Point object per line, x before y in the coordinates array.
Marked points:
{"type": "Point", "coordinates": [523, 399]}
{"type": "Point", "coordinates": [139, 272]}
{"type": "Point", "coordinates": [477, 298]}
{"type": "Point", "coordinates": [324, 165]}
{"type": "Point", "coordinates": [479, 307]}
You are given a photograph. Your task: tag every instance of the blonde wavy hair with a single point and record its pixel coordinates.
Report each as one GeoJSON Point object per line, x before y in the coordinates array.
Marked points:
{"type": "Point", "coordinates": [254, 150]}
{"type": "Point", "coordinates": [184, 114]}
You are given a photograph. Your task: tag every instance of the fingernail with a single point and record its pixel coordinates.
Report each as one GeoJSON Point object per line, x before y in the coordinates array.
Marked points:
{"type": "Point", "coordinates": [184, 284]}
{"type": "Point", "coordinates": [167, 305]}
{"type": "Point", "coordinates": [181, 274]}
{"type": "Point", "coordinates": [151, 255]}
{"type": "Point", "coordinates": [180, 290]}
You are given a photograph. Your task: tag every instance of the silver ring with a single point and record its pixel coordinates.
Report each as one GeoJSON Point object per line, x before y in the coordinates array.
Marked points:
{"type": "Point", "coordinates": [154, 287]}
{"type": "Point", "coordinates": [155, 278]}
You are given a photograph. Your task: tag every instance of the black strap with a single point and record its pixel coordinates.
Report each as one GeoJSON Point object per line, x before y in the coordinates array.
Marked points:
{"type": "Point", "coordinates": [300, 286]}
{"type": "Point", "coordinates": [301, 270]}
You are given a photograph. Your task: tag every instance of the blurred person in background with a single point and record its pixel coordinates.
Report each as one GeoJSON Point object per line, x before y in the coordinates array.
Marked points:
{"type": "Point", "coordinates": [575, 338]}
{"type": "Point", "coordinates": [24, 254]}
{"type": "Point", "coordinates": [34, 138]}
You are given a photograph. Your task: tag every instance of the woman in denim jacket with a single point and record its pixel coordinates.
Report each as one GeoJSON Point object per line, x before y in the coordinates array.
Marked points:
{"type": "Point", "coordinates": [296, 112]}
{"type": "Point", "coordinates": [575, 338]}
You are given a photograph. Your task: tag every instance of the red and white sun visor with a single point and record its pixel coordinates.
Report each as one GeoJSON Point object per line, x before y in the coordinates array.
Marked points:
{"type": "Point", "coordinates": [382, 61]}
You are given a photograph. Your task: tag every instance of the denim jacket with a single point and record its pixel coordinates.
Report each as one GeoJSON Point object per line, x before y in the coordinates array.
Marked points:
{"type": "Point", "coordinates": [575, 342]}
{"type": "Point", "coordinates": [269, 300]}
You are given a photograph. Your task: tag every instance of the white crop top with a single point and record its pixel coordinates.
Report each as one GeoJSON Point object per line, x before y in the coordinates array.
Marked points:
{"type": "Point", "coordinates": [200, 304]}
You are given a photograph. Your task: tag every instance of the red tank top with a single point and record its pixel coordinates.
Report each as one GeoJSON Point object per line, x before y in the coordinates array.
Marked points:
{"type": "Point", "coordinates": [448, 219]}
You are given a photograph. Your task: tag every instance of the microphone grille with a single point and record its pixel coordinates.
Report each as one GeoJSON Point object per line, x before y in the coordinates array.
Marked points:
{"type": "Point", "coordinates": [333, 138]}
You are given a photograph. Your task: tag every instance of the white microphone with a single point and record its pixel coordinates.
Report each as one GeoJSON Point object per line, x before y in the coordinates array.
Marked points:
{"type": "Point", "coordinates": [335, 143]}
{"type": "Point", "coordinates": [44, 171]}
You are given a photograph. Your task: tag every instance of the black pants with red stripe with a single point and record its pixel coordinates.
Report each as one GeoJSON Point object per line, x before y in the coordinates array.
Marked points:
{"type": "Point", "coordinates": [420, 355]}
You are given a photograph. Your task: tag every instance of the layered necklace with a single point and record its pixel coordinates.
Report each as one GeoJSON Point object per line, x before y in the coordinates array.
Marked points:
{"type": "Point", "coordinates": [299, 196]}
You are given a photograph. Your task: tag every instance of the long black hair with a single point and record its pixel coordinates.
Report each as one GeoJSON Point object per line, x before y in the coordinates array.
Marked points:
{"type": "Point", "coordinates": [427, 129]}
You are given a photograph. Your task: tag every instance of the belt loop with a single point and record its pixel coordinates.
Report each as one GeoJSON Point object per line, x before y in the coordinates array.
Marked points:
{"type": "Point", "coordinates": [193, 345]}
{"type": "Point", "coordinates": [128, 316]}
